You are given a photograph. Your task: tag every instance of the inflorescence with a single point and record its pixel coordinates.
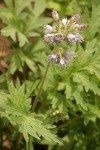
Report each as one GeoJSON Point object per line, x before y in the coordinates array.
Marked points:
{"type": "Point", "coordinates": [63, 31]}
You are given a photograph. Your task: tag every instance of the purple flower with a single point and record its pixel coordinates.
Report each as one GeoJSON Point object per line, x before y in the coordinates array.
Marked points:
{"type": "Point", "coordinates": [71, 38]}
{"type": "Point", "coordinates": [49, 38]}
{"type": "Point", "coordinates": [53, 58]}
{"type": "Point", "coordinates": [63, 62]}
{"type": "Point", "coordinates": [58, 38]}
{"type": "Point", "coordinates": [69, 55]}
{"type": "Point", "coordinates": [79, 38]}
{"type": "Point", "coordinates": [48, 29]}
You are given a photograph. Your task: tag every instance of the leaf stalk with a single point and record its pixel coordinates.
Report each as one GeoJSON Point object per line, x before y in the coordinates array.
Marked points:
{"type": "Point", "coordinates": [40, 88]}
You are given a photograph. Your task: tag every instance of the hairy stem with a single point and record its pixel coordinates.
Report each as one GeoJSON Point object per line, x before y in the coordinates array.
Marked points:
{"type": "Point", "coordinates": [40, 88]}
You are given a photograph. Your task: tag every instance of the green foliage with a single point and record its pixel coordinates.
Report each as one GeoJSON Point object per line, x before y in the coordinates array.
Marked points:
{"type": "Point", "coordinates": [16, 106]}
{"type": "Point", "coordinates": [19, 24]}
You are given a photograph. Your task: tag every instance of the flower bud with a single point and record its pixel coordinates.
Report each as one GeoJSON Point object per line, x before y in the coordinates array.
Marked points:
{"type": "Point", "coordinates": [76, 25]}
{"type": "Point", "coordinates": [64, 21]}
{"type": "Point", "coordinates": [53, 58]}
{"type": "Point", "coordinates": [58, 38]}
{"type": "Point", "coordinates": [55, 15]}
{"type": "Point", "coordinates": [79, 38]}
{"type": "Point", "coordinates": [63, 62]}
{"type": "Point", "coordinates": [71, 38]}
{"type": "Point", "coordinates": [75, 18]}
{"type": "Point", "coordinates": [48, 29]}
{"type": "Point", "coordinates": [81, 26]}
{"type": "Point", "coordinates": [49, 38]}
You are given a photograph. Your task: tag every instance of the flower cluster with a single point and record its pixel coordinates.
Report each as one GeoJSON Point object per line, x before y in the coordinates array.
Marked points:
{"type": "Point", "coordinates": [63, 30]}
{"type": "Point", "coordinates": [62, 59]}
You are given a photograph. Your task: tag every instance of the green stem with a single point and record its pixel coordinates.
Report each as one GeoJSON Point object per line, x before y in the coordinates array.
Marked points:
{"type": "Point", "coordinates": [40, 88]}
{"type": "Point", "coordinates": [1, 127]}
{"type": "Point", "coordinates": [14, 3]}
{"type": "Point", "coordinates": [29, 145]}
